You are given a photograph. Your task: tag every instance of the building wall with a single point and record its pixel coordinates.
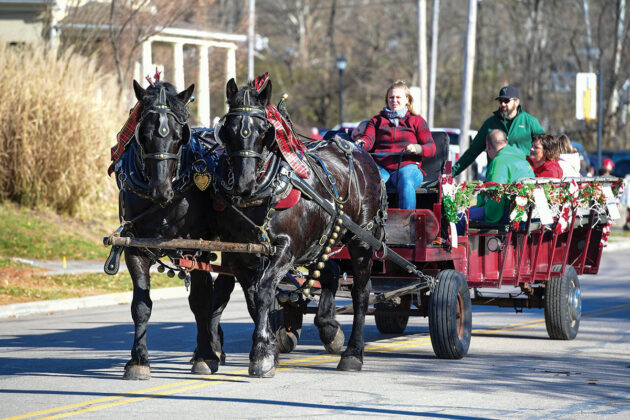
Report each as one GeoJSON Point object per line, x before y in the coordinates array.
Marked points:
{"type": "Point", "coordinates": [22, 21]}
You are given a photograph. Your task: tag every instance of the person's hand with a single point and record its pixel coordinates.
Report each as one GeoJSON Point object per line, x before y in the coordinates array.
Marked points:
{"type": "Point", "coordinates": [414, 148]}
{"type": "Point", "coordinates": [360, 143]}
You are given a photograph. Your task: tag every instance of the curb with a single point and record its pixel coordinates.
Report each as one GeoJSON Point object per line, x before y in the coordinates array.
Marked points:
{"type": "Point", "coordinates": [617, 244]}
{"type": "Point", "coordinates": [49, 306]}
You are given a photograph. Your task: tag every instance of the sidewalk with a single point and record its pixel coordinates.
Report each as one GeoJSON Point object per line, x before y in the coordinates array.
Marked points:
{"type": "Point", "coordinates": [615, 243]}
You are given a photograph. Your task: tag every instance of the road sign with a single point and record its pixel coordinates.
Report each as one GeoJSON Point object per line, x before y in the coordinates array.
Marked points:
{"type": "Point", "coordinates": [586, 96]}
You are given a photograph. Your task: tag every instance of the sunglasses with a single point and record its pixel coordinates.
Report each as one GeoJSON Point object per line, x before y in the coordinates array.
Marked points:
{"type": "Point", "coordinates": [504, 101]}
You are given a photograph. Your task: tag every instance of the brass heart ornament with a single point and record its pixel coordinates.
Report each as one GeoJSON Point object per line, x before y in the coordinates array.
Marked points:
{"type": "Point", "coordinates": [202, 180]}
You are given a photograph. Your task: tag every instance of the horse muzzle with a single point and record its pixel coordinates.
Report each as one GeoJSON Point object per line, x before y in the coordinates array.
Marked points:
{"type": "Point", "coordinates": [162, 195]}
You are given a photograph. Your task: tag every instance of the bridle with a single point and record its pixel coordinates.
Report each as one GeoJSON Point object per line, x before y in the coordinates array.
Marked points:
{"type": "Point", "coordinates": [163, 111]}
{"type": "Point", "coordinates": [248, 112]}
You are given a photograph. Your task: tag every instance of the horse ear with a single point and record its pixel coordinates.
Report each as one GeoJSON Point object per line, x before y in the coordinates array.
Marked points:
{"type": "Point", "coordinates": [231, 89]}
{"type": "Point", "coordinates": [139, 91]}
{"type": "Point", "coordinates": [265, 95]}
{"type": "Point", "coordinates": [185, 95]}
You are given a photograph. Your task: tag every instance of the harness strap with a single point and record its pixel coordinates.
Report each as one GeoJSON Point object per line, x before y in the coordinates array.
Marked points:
{"type": "Point", "coordinates": [361, 233]}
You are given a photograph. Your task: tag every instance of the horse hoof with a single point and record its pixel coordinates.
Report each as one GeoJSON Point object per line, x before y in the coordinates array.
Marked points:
{"type": "Point", "coordinates": [204, 367]}
{"type": "Point", "coordinates": [287, 340]}
{"type": "Point", "coordinates": [350, 364]}
{"type": "Point", "coordinates": [265, 368]}
{"type": "Point", "coordinates": [334, 347]}
{"type": "Point", "coordinates": [137, 373]}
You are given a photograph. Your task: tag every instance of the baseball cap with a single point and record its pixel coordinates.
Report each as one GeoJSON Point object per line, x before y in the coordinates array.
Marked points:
{"type": "Point", "coordinates": [507, 92]}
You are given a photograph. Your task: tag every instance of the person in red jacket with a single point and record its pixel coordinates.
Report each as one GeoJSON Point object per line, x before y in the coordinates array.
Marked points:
{"type": "Point", "coordinates": [543, 156]}
{"type": "Point", "coordinates": [399, 129]}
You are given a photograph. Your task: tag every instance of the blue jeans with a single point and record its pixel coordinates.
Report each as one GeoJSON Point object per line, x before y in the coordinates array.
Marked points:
{"type": "Point", "coordinates": [406, 180]}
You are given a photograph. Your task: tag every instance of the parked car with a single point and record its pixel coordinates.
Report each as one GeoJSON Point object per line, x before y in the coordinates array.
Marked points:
{"type": "Point", "coordinates": [614, 155]}
{"type": "Point", "coordinates": [622, 168]}
{"type": "Point", "coordinates": [479, 167]}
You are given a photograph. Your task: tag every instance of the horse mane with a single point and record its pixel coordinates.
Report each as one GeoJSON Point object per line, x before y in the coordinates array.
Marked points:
{"type": "Point", "coordinates": [178, 107]}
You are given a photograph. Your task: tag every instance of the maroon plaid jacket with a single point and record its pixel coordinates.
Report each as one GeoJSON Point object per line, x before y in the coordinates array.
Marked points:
{"type": "Point", "coordinates": [381, 135]}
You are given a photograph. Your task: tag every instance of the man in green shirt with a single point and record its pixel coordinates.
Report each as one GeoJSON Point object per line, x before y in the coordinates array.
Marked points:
{"type": "Point", "coordinates": [518, 126]}
{"type": "Point", "coordinates": [507, 165]}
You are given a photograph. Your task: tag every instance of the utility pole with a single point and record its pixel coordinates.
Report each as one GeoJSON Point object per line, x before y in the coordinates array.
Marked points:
{"type": "Point", "coordinates": [467, 85]}
{"type": "Point", "coordinates": [422, 56]}
{"type": "Point", "coordinates": [251, 41]}
{"type": "Point", "coordinates": [587, 22]}
{"type": "Point", "coordinates": [435, 29]}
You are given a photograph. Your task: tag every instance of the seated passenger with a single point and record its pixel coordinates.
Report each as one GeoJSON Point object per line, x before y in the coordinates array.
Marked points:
{"type": "Point", "coordinates": [506, 166]}
{"type": "Point", "coordinates": [543, 156]}
{"type": "Point", "coordinates": [569, 159]}
{"type": "Point", "coordinates": [399, 129]}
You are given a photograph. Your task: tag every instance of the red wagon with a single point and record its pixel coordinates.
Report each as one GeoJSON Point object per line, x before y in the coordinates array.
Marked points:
{"type": "Point", "coordinates": [540, 258]}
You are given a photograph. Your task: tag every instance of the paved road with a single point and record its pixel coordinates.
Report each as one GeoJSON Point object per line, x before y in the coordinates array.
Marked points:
{"type": "Point", "coordinates": [70, 364]}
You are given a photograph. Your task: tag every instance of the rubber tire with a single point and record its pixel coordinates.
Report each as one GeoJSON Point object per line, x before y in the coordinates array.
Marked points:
{"type": "Point", "coordinates": [563, 305]}
{"type": "Point", "coordinates": [286, 322]}
{"type": "Point", "coordinates": [396, 324]}
{"type": "Point", "coordinates": [450, 335]}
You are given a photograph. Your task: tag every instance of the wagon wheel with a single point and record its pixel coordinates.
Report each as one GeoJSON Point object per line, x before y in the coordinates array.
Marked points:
{"type": "Point", "coordinates": [563, 305]}
{"type": "Point", "coordinates": [286, 321]}
{"type": "Point", "coordinates": [388, 323]}
{"type": "Point", "coordinates": [450, 316]}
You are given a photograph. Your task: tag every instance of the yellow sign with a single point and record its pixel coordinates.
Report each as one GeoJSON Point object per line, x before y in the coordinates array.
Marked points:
{"type": "Point", "coordinates": [586, 96]}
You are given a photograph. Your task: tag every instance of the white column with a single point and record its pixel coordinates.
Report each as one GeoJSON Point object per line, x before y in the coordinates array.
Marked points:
{"type": "Point", "coordinates": [178, 65]}
{"type": "Point", "coordinates": [203, 88]}
{"type": "Point", "coordinates": [230, 70]}
{"type": "Point", "coordinates": [147, 63]}
{"type": "Point", "coordinates": [251, 39]}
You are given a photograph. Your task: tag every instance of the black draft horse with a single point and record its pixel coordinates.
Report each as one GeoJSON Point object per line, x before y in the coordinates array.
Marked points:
{"type": "Point", "coordinates": [300, 234]}
{"type": "Point", "coordinates": [159, 200]}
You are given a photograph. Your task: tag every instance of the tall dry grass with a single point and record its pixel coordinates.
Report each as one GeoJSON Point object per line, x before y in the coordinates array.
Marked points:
{"type": "Point", "coordinates": [58, 119]}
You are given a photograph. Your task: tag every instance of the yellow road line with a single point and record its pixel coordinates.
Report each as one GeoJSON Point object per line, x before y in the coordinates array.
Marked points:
{"type": "Point", "coordinates": [216, 379]}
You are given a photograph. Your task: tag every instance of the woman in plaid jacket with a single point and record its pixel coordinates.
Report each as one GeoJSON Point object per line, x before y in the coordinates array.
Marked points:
{"type": "Point", "coordinates": [398, 129]}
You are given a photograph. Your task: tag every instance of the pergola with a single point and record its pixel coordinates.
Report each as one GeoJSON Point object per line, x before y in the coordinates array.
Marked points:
{"type": "Point", "coordinates": [203, 40]}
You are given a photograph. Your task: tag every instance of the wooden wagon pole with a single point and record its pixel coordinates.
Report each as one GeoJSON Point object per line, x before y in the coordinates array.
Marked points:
{"type": "Point", "coordinates": [200, 244]}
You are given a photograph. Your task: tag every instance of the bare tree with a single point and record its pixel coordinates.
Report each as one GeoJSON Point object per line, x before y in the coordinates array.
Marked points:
{"type": "Point", "coordinates": [116, 30]}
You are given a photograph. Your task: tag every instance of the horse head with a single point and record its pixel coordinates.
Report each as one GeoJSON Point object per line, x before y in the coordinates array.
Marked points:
{"type": "Point", "coordinates": [161, 132]}
{"type": "Point", "coordinates": [247, 135]}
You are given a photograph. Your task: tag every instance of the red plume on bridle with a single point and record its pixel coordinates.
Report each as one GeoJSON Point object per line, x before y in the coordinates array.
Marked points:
{"type": "Point", "coordinates": [156, 78]}
{"type": "Point", "coordinates": [260, 82]}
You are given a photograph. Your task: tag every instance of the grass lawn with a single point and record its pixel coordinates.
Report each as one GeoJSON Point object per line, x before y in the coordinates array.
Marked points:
{"type": "Point", "coordinates": [23, 283]}
{"type": "Point", "coordinates": [41, 234]}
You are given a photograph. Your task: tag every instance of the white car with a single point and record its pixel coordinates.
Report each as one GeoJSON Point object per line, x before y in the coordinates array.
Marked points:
{"type": "Point", "coordinates": [479, 167]}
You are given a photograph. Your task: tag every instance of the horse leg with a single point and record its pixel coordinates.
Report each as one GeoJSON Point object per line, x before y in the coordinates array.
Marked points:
{"type": "Point", "coordinates": [207, 302]}
{"type": "Point", "coordinates": [329, 329]}
{"type": "Point", "coordinates": [263, 357]}
{"type": "Point", "coordinates": [137, 368]}
{"type": "Point", "coordinates": [361, 257]}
